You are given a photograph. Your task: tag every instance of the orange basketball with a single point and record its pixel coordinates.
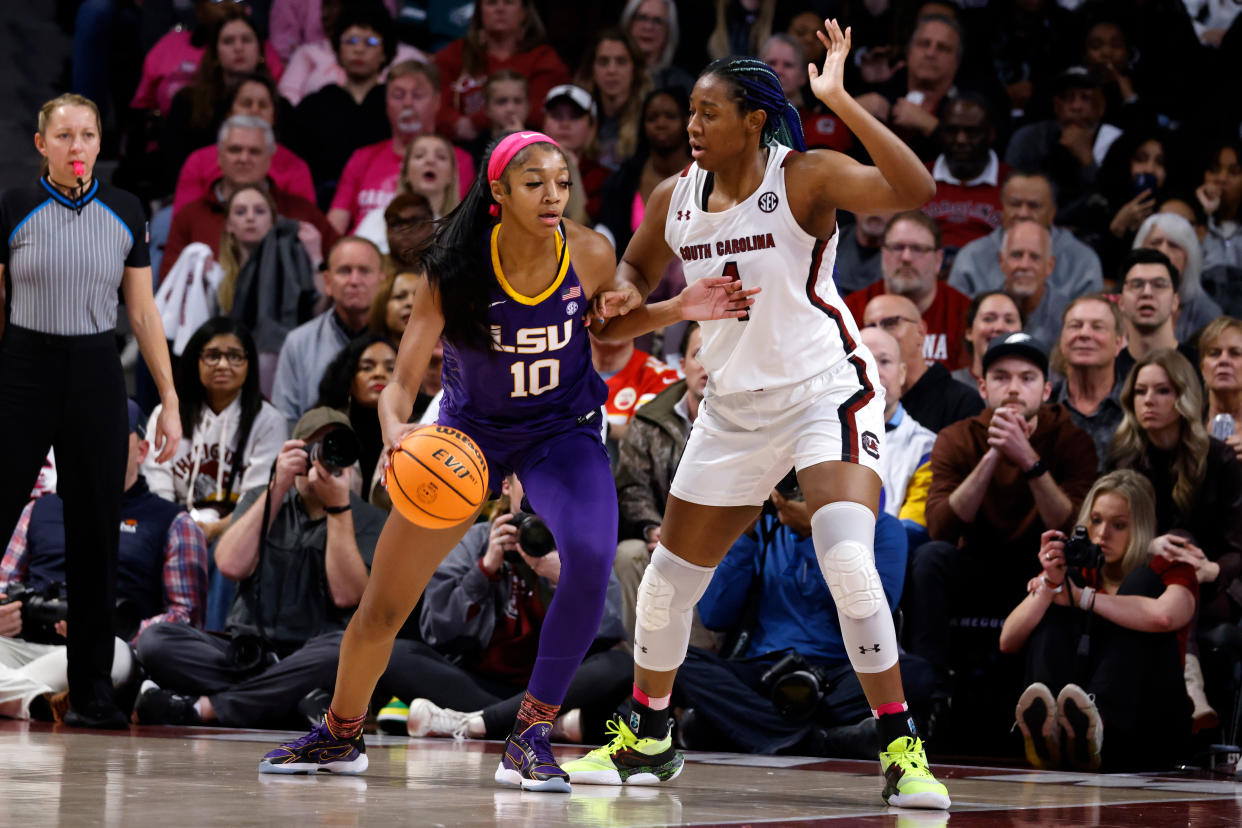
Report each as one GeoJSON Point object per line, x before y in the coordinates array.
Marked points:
{"type": "Point", "coordinates": [438, 477]}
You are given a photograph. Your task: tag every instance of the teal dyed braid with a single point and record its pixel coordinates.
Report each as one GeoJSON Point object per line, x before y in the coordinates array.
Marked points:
{"type": "Point", "coordinates": [761, 89]}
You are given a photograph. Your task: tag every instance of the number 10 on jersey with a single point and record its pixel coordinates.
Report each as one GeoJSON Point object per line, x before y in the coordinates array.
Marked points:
{"type": "Point", "coordinates": [530, 379]}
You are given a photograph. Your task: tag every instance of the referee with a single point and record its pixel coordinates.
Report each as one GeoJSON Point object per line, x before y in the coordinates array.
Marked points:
{"type": "Point", "coordinates": [69, 243]}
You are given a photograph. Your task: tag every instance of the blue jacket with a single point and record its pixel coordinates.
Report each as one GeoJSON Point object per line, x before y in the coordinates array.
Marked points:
{"type": "Point", "coordinates": [795, 608]}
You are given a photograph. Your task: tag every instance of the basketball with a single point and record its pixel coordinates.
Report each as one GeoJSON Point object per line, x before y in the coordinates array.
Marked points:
{"type": "Point", "coordinates": [438, 477]}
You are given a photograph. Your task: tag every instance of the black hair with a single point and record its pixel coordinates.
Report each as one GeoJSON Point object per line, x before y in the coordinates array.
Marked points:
{"type": "Point", "coordinates": [757, 86]}
{"type": "Point", "coordinates": [680, 98]}
{"type": "Point", "coordinates": [1114, 181]}
{"type": "Point", "coordinates": [372, 15]}
{"type": "Point", "coordinates": [338, 377]}
{"type": "Point", "coordinates": [1146, 255]}
{"type": "Point", "coordinates": [191, 396]}
{"type": "Point", "coordinates": [458, 259]}
{"type": "Point", "coordinates": [685, 338]}
{"type": "Point", "coordinates": [969, 96]}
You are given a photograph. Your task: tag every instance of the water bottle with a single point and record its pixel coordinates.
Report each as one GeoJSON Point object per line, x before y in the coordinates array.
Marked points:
{"type": "Point", "coordinates": [1222, 426]}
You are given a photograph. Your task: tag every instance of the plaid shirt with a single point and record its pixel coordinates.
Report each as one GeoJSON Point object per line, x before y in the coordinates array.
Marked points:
{"type": "Point", "coordinates": [185, 570]}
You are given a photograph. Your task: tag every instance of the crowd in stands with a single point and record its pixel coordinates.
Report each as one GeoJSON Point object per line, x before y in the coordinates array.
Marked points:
{"type": "Point", "coordinates": [1057, 333]}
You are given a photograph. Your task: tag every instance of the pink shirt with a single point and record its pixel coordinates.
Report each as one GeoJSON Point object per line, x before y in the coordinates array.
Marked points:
{"type": "Point", "coordinates": [294, 22]}
{"type": "Point", "coordinates": [314, 66]}
{"type": "Point", "coordinates": [170, 65]}
{"type": "Point", "coordinates": [202, 168]}
{"type": "Point", "coordinates": [370, 179]}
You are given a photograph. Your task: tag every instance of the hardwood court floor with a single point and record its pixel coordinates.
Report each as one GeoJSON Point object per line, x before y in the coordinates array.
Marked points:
{"type": "Point", "coordinates": [177, 777]}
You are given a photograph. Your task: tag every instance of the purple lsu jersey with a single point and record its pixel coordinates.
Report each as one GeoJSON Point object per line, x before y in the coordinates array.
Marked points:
{"type": "Point", "coordinates": [538, 378]}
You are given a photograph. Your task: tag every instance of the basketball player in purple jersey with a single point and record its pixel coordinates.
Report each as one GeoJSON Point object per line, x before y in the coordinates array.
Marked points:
{"type": "Point", "coordinates": [792, 386]}
{"type": "Point", "coordinates": [510, 299]}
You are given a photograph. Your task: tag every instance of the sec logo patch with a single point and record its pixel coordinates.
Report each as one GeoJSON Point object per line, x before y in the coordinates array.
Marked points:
{"type": "Point", "coordinates": [768, 201]}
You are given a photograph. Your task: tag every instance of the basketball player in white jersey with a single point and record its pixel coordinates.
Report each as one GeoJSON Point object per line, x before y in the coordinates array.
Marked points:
{"type": "Point", "coordinates": [791, 385]}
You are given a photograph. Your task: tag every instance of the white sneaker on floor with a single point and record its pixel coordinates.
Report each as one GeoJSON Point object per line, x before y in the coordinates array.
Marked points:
{"type": "Point", "coordinates": [428, 719]}
{"type": "Point", "coordinates": [1084, 730]}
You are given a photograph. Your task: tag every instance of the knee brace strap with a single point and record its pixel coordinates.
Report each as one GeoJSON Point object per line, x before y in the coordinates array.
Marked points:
{"type": "Point", "coordinates": [665, 609]}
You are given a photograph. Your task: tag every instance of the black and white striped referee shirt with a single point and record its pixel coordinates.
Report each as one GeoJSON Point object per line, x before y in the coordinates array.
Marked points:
{"type": "Point", "coordinates": [64, 258]}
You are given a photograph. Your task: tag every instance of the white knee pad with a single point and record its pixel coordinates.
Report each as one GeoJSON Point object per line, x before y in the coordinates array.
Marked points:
{"type": "Point", "coordinates": [666, 597]}
{"type": "Point", "coordinates": [844, 535]}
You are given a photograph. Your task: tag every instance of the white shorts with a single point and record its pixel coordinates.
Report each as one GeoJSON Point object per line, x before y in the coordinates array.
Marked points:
{"type": "Point", "coordinates": [743, 444]}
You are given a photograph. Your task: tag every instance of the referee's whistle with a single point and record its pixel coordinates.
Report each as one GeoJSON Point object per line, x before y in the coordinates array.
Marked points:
{"type": "Point", "coordinates": [79, 168]}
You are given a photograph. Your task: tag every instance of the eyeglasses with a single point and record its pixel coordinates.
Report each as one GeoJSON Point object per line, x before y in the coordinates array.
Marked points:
{"type": "Point", "coordinates": [890, 323]}
{"type": "Point", "coordinates": [235, 358]}
{"type": "Point", "coordinates": [916, 249]}
{"type": "Point", "coordinates": [1139, 285]}
{"type": "Point", "coordinates": [647, 18]}
{"type": "Point", "coordinates": [356, 40]}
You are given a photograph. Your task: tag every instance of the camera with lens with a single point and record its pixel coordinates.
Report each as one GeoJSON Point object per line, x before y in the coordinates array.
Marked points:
{"type": "Point", "coordinates": [795, 686]}
{"type": "Point", "coordinates": [1080, 552]}
{"type": "Point", "coordinates": [336, 451]}
{"type": "Point", "coordinates": [41, 610]}
{"type": "Point", "coordinates": [533, 535]}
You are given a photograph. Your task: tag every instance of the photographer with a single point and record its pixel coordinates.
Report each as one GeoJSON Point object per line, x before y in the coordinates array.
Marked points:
{"type": "Point", "coordinates": [483, 612]}
{"type": "Point", "coordinates": [793, 612]}
{"type": "Point", "coordinates": [296, 592]}
{"type": "Point", "coordinates": [161, 577]}
{"type": "Point", "coordinates": [1112, 647]}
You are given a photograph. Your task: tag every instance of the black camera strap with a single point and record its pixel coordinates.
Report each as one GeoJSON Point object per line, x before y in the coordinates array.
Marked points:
{"type": "Point", "coordinates": [739, 639]}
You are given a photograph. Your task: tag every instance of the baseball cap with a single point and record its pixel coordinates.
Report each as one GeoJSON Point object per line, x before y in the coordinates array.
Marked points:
{"type": "Point", "coordinates": [576, 94]}
{"type": "Point", "coordinates": [1075, 77]}
{"type": "Point", "coordinates": [316, 419]}
{"type": "Point", "coordinates": [137, 422]}
{"type": "Point", "coordinates": [1018, 344]}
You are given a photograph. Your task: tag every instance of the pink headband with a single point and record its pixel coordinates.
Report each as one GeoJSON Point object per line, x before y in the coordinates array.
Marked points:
{"type": "Point", "coordinates": [508, 147]}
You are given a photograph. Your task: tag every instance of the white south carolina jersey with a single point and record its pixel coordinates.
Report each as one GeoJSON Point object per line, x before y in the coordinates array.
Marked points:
{"type": "Point", "coordinates": [798, 327]}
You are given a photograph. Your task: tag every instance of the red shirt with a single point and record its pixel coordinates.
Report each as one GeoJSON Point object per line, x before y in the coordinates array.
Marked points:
{"type": "Point", "coordinates": [823, 129]}
{"type": "Point", "coordinates": [462, 94]}
{"type": "Point", "coordinates": [511, 653]}
{"type": "Point", "coordinates": [945, 319]}
{"type": "Point", "coordinates": [966, 210]}
{"type": "Point", "coordinates": [373, 173]}
{"type": "Point", "coordinates": [642, 378]}
{"type": "Point", "coordinates": [202, 169]}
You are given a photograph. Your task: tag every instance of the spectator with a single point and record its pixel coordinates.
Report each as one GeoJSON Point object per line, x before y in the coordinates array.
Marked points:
{"type": "Point", "coordinates": [1220, 349]}
{"type": "Point", "coordinates": [1173, 236]}
{"type": "Point", "coordinates": [647, 457]}
{"type": "Point", "coordinates": [506, 99]}
{"type": "Point", "coordinates": [245, 148]}
{"type": "Point", "coordinates": [161, 577]}
{"type": "Point", "coordinates": [298, 581]}
{"type": "Point", "coordinates": [802, 27]}
{"type": "Point", "coordinates": [231, 435]}
{"type": "Point", "coordinates": [364, 44]}
{"type": "Point", "coordinates": [484, 609]}
{"type": "Point", "coordinates": [653, 26]}
{"type": "Point", "coordinates": [1220, 195]}
{"type": "Point", "coordinates": [501, 35]}
{"type": "Point", "coordinates": [314, 64]}
{"type": "Point", "coordinates": [1137, 174]}
{"type": "Point", "coordinates": [741, 28]}
{"type": "Point", "coordinates": [1026, 261]}
{"type": "Point", "coordinates": [429, 171]}
{"type": "Point", "coordinates": [1092, 336]}
{"type": "Point", "coordinates": [967, 204]}
{"type": "Point", "coordinates": [929, 394]}
{"type": "Point", "coordinates": [634, 377]}
{"type": "Point", "coordinates": [1027, 196]}
{"type": "Point", "coordinates": [408, 220]}
{"type": "Point", "coordinates": [998, 480]}
{"type": "Point", "coordinates": [389, 315]}
{"type": "Point", "coordinates": [990, 314]}
{"type": "Point", "coordinates": [355, 270]}
{"type": "Point", "coordinates": [905, 463]}
{"type": "Point", "coordinates": [170, 64]}
{"type": "Point", "coordinates": [294, 23]}
{"type": "Point", "coordinates": [234, 51]}
{"type": "Point", "coordinates": [570, 120]}
{"type": "Point", "coordinates": [255, 95]}
{"type": "Point", "coordinates": [1149, 303]}
{"type": "Point", "coordinates": [1107, 52]}
{"type": "Point", "coordinates": [732, 706]}
{"type": "Point", "coordinates": [912, 102]}
{"type": "Point", "coordinates": [1071, 146]}
{"type": "Point", "coordinates": [1137, 606]}
{"type": "Point", "coordinates": [270, 264]}
{"type": "Point", "coordinates": [858, 252]}
{"type": "Point", "coordinates": [911, 261]}
{"type": "Point", "coordinates": [374, 173]}
{"type": "Point", "coordinates": [612, 70]}
{"type": "Point", "coordinates": [820, 127]}
{"type": "Point", "coordinates": [663, 151]}
{"type": "Point", "coordinates": [352, 383]}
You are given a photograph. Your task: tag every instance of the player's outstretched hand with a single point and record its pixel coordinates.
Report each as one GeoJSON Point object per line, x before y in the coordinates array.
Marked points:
{"type": "Point", "coordinates": [716, 297]}
{"type": "Point", "coordinates": [614, 302]}
{"type": "Point", "coordinates": [829, 82]}
{"type": "Point", "coordinates": [393, 443]}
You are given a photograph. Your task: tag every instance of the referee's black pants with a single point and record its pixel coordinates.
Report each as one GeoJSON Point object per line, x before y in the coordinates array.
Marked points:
{"type": "Point", "coordinates": [67, 392]}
